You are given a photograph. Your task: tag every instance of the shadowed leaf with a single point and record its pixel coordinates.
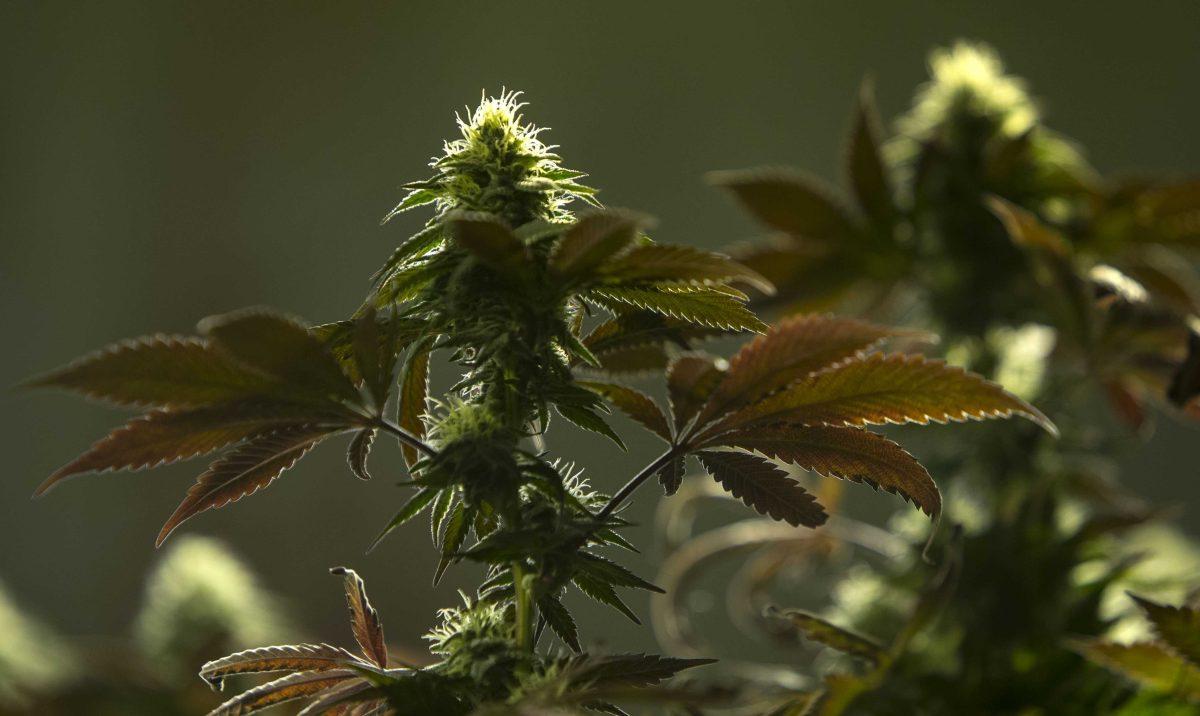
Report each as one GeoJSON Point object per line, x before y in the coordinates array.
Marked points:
{"type": "Point", "coordinates": [865, 167]}
{"type": "Point", "coordinates": [282, 347]}
{"type": "Point", "coordinates": [636, 405]}
{"type": "Point", "coordinates": [593, 239]}
{"type": "Point", "coordinates": [848, 453]}
{"type": "Point", "coordinates": [244, 471]}
{"type": "Point", "coordinates": [160, 371]}
{"type": "Point", "coordinates": [690, 382]}
{"type": "Point", "coordinates": [587, 419]}
{"type": "Point", "coordinates": [411, 509]}
{"type": "Point", "coordinates": [287, 688]}
{"type": "Point", "coordinates": [458, 523]}
{"type": "Point", "coordinates": [763, 487]}
{"type": "Point", "coordinates": [671, 476]}
{"type": "Point", "coordinates": [604, 593]}
{"type": "Point", "coordinates": [627, 669]}
{"type": "Point", "coordinates": [364, 620]}
{"type": "Point", "coordinates": [559, 620]}
{"type": "Point", "coordinates": [788, 202]}
{"type": "Point", "coordinates": [886, 389]}
{"type": "Point", "coordinates": [413, 391]}
{"type": "Point", "coordinates": [1179, 627]}
{"type": "Point", "coordinates": [303, 657]}
{"type": "Point", "coordinates": [488, 239]}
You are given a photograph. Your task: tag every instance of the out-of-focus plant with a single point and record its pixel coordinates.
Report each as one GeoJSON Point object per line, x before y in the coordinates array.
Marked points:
{"type": "Point", "coordinates": [200, 601]}
{"type": "Point", "coordinates": [538, 311]}
{"type": "Point", "coordinates": [977, 222]}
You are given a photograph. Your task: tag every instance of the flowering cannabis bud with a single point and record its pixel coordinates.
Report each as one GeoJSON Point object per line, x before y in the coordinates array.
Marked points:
{"type": "Point", "coordinates": [499, 166]}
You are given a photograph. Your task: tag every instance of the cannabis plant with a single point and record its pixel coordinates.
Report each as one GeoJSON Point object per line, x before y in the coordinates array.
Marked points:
{"type": "Point", "coordinates": [541, 314]}
{"type": "Point", "coordinates": [976, 221]}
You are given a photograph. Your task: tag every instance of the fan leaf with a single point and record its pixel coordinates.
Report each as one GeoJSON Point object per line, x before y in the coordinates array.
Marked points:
{"type": "Point", "coordinates": [671, 476]}
{"type": "Point", "coordinates": [636, 405]}
{"type": "Point", "coordinates": [847, 453]}
{"type": "Point", "coordinates": [488, 239]}
{"type": "Point", "coordinates": [414, 389]}
{"type": "Point", "coordinates": [658, 263]}
{"type": "Point", "coordinates": [244, 472]}
{"type": "Point", "coordinates": [703, 307]}
{"type": "Point", "coordinates": [788, 202]}
{"type": "Point", "coordinates": [791, 350]}
{"type": "Point", "coordinates": [359, 451]}
{"type": "Point", "coordinates": [287, 688]}
{"type": "Point", "coordinates": [364, 620]}
{"type": "Point", "coordinates": [593, 239]}
{"type": "Point", "coordinates": [764, 487]}
{"type": "Point", "coordinates": [559, 620]}
{"type": "Point", "coordinates": [411, 509]}
{"type": "Point", "coordinates": [690, 382]}
{"type": "Point", "coordinates": [160, 371]}
{"type": "Point", "coordinates": [636, 670]}
{"type": "Point", "coordinates": [282, 347]}
{"type": "Point", "coordinates": [165, 436]}
{"type": "Point", "coordinates": [886, 389]}
{"type": "Point", "coordinates": [302, 657]}
{"type": "Point", "coordinates": [1179, 627]}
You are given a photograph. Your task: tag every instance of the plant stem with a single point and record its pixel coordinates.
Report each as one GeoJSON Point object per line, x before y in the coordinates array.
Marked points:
{"type": "Point", "coordinates": [405, 437]}
{"type": "Point", "coordinates": [628, 488]}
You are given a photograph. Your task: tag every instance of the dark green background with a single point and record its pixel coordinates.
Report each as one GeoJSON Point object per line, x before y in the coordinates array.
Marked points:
{"type": "Point", "coordinates": [161, 162]}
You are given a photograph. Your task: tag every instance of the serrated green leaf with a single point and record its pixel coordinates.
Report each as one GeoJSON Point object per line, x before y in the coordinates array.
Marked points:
{"type": "Point", "coordinates": [831, 635]}
{"type": "Point", "coordinates": [658, 263]}
{"type": "Point", "coordinates": [559, 620]}
{"type": "Point", "coordinates": [1178, 627]}
{"type": "Point", "coordinates": [488, 239]}
{"type": "Point", "coordinates": [763, 487]}
{"type": "Point", "coordinates": [359, 450]}
{"type": "Point", "coordinates": [627, 669]}
{"type": "Point", "coordinates": [457, 525]}
{"type": "Point", "coordinates": [414, 389]}
{"type": "Point", "coordinates": [707, 308]}
{"type": "Point", "coordinates": [588, 419]}
{"type": "Point", "coordinates": [411, 509]}
{"type": "Point", "coordinates": [604, 593]}
{"type": "Point", "coordinates": [612, 573]}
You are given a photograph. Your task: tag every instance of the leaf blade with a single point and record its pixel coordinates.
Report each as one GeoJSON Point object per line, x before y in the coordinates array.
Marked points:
{"type": "Point", "coordinates": [763, 487]}
{"type": "Point", "coordinates": [364, 620]}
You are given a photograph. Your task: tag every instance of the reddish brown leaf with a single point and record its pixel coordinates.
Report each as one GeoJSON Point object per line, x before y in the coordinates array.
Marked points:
{"type": "Point", "coordinates": [636, 405]}
{"type": "Point", "coordinates": [764, 487]}
{"type": "Point", "coordinates": [848, 453]}
{"type": "Point", "coordinates": [245, 471]}
{"type": "Point", "coordinates": [886, 389]}
{"type": "Point", "coordinates": [789, 202]}
{"type": "Point", "coordinates": [364, 620]}
{"type": "Point", "coordinates": [690, 382]}
{"type": "Point", "coordinates": [791, 350]}
{"type": "Point", "coordinates": [593, 239]}
{"type": "Point", "coordinates": [288, 688]}
{"type": "Point", "coordinates": [302, 657]}
{"type": "Point", "coordinates": [167, 436]}
{"type": "Point", "coordinates": [160, 371]}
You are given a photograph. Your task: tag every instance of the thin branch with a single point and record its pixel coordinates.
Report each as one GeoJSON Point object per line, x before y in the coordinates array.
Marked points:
{"type": "Point", "coordinates": [628, 488]}
{"type": "Point", "coordinates": [405, 437]}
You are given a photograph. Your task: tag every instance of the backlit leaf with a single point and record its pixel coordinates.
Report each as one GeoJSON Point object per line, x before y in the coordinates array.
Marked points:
{"type": "Point", "coordinates": [636, 405]}
{"type": "Point", "coordinates": [458, 523]}
{"type": "Point", "coordinates": [411, 509]}
{"type": "Point", "coordinates": [690, 382]}
{"type": "Point", "coordinates": [1148, 663]}
{"type": "Point", "coordinates": [593, 239]}
{"type": "Point", "coordinates": [161, 371]}
{"type": "Point", "coordinates": [831, 635]}
{"type": "Point", "coordinates": [886, 389]}
{"type": "Point", "coordinates": [587, 419]}
{"type": "Point", "coordinates": [487, 239]}
{"type": "Point", "coordinates": [359, 450]}
{"type": "Point", "coordinates": [764, 487]}
{"type": "Point", "coordinates": [706, 308]}
{"type": "Point", "coordinates": [244, 471]}
{"type": "Point", "coordinates": [364, 620]}
{"type": "Point", "coordinates": [791, 350]}
{"type": "Point", "coordinates": [848, 453]}
{"type": "Point", "coordinates": [671, 476]}
{"type": "Point", "coordinates": [654, 263]}
{"type": "Point", "coordinates": [414, 389]}
{"type": "Point", "coordinates": [288, 688]}
{"type": "Point", "coordinates": [302, 657]}
{"type": "Point", "coordinates": [788, 202]}
{"type": "Point", "coordinates": [373, 360]}
{"type": "Point", "coordinates": [281, 347]}
{"type": "Point", "coordinates": [166, 436]}
{"type": "Point", "coordinates": [1179, 627]}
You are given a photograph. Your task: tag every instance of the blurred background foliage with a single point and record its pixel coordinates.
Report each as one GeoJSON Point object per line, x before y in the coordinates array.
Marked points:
{"type": "Point", "coordinates": [163, 162]}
